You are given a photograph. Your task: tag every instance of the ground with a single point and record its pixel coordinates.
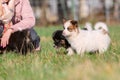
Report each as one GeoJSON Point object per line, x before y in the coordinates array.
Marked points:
{"type": "Point", "coordinates": [51, 65]}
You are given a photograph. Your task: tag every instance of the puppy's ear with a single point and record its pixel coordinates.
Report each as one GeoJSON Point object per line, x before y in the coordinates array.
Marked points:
{"type": "Point", "coordinates": [64, 20]}
{"type": "Point", "coordinates": [75, 23]}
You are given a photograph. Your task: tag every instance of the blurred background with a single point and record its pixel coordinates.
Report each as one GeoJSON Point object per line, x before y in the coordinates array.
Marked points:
{"type": "Point", "coordinates": [52, 12]}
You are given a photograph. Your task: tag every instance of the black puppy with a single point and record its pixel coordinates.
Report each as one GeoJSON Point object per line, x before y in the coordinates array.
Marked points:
{"type": "Point", "coordinates": [19, 42]}
{"type": "Point", "coordinates": [59, 40]}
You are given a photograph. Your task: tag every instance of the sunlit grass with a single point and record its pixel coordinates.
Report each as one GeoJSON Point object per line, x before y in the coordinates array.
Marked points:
{"type": "Point", "coordinates": [48, 64]}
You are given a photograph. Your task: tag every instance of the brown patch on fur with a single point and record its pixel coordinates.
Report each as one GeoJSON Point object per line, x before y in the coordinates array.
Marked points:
{"type": "Point", "coordinates": [104, 32]}
{"type": "Point", "coordinates": [74, 26]}
{"type": "Point", "coordinates": [63, 43]}
{"type": "Point", "coordinates": [71, 28]}
{"type": "Point", "coordinates": [75, 23]}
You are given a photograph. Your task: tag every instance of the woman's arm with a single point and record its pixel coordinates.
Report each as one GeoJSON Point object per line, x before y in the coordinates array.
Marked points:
{"type": "Point", "coordinates": [28, 18]}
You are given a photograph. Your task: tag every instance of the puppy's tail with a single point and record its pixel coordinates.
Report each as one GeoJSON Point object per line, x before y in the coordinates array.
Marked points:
{"type": "Point", "coordinates": [88, 26]}
{"type": "Point", "coordinates": [101, 26]}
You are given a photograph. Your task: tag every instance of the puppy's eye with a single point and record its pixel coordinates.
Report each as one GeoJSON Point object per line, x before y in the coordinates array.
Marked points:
{"type": "Point", "coordinates": [69, 29]}
{"type": "Point", "coordinates": [63, 41]}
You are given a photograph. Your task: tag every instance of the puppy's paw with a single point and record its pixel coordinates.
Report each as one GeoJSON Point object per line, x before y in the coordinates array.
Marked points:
{"type": "Point", "coordinates": [70, 51]}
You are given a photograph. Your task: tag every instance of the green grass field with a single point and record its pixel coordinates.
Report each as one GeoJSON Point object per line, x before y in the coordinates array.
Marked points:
{"type": "Point", "coordinates": [51, 65]}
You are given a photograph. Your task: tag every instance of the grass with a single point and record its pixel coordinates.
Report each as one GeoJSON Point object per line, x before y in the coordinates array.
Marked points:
{"type": "Point", "coordinates": [51, 65]}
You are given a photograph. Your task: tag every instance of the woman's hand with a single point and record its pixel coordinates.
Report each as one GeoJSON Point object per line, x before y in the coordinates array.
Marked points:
{"type": "Point", "coordinates": [5, 38]}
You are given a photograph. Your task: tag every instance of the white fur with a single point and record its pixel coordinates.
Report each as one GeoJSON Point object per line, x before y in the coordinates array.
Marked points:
{"type": "Point", "coordinates": [88, 25]}
{"type": "Point", "coordinates": [101, 25]}
{"type": "Point", "coordinates": [87, 41]}
{"type": "Point", "coordinates": [70, 51]}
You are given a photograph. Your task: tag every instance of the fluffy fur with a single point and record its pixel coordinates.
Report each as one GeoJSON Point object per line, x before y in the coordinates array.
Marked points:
{"type": "Point", "coordinates": [87, 40]}
{"type": "Point", "coordinates": [19, 42]}
{"type": "Point", "coordinates": [88, 26]}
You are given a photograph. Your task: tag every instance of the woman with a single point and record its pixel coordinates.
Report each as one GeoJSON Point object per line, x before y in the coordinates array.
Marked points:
{"type": "Point", "coordinates": [23, 19]}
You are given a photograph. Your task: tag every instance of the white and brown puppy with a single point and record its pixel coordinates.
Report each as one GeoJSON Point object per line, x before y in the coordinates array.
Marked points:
{"type": "Point", "coordinates": [87, 40]}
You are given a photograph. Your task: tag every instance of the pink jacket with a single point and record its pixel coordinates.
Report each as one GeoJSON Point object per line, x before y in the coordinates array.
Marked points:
{"type": "Point", "coordinates": [23, 16]}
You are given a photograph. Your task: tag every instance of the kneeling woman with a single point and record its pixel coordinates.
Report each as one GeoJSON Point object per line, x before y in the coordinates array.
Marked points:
{"type": "Point", "coordinates": [22, 24]}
